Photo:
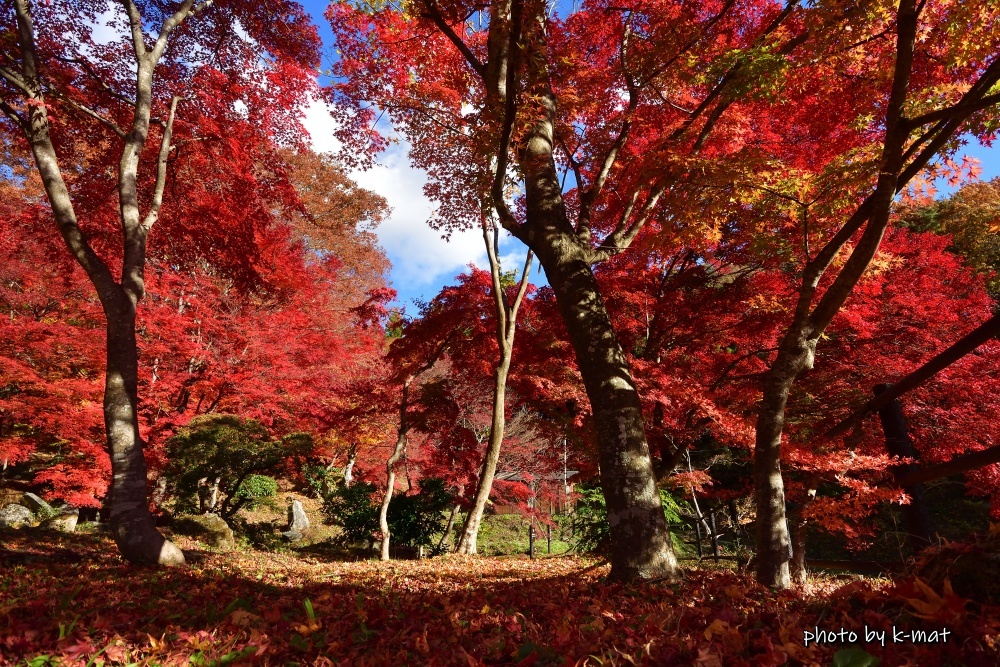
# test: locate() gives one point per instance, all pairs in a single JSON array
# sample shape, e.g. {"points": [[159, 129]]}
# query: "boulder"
{"points": [[297, 519], [64, 521], [16, 516], [36, 504], [292, 535], [208, 528]]}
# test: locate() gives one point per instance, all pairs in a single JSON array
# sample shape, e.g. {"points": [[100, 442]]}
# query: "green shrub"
{"points": [[413, 519], [255, 488], [235, 451], [353, 509], [591, 530]]}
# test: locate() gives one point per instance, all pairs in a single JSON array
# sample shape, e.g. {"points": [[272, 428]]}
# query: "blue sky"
{"points": [[422, 262]]}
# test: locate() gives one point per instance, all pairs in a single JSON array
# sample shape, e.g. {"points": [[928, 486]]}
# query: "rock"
{"points": [[297, 519], [292, 535], [64, 521], [16, 516], [36, 504], [208, 528]]}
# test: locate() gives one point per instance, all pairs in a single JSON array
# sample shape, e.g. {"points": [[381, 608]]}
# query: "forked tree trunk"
{"points": [[390, 469], [131, 521], [506, 326]]}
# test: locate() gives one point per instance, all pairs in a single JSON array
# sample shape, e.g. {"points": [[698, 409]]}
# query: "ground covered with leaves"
{"points": [[71, 600]]}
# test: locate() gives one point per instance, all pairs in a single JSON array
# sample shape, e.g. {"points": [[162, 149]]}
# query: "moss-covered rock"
{"points": [[208, 528]]}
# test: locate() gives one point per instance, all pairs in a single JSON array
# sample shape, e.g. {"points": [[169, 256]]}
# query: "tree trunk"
{"points": [[448, 527], [920, 532], [390, 470], [470, 531], [799, 573], [640, 543], [506, 326], [352, 457], [774, 547], [132, 523]]}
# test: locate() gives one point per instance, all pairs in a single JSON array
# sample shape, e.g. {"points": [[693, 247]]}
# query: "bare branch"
{"points": [[161, 167], [619, 240], [963, 106], [434, 15], [588, 198], [135, 26], [507, 219], [522, 289], [86, 110], [14, 79]]}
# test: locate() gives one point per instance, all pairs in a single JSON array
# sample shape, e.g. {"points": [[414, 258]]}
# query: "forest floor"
{"points": [[70, 599]]}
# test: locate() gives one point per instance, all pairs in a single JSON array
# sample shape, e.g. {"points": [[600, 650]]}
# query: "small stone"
{"points": [[297, 519], [64, 522], [292, 535], [16, 516]]}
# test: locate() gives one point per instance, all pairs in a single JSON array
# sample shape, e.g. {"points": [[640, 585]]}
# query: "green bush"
{"points": [[413, 519], [591, 530], [353, 509], [255, 488], [234, 450]]}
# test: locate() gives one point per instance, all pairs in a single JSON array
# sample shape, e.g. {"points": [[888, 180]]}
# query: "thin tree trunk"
{"points": [[799, 573], [506, 317], [390, 469], [448, 527], [470, 530], [352, 457], [400, 448]]}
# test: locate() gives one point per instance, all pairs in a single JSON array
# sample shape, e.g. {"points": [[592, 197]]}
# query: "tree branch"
{"points": [[434, 15], [161, 167]]}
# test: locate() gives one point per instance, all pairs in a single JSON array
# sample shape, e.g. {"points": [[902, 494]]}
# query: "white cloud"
{"points": [[110, 26], [422, 261]]}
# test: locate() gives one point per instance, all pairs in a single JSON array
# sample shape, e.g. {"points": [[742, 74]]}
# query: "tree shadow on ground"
{"points": [[276, 609]]}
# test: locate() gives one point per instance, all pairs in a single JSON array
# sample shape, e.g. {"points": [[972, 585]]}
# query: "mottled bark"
{"points": [[131, 521], [640, 543]]}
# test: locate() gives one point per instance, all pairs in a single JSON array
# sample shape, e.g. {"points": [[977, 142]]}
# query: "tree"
{"points": [[505, 312], [913, 133], [677, 122], [51, 69], [971, 216], [226, 454]]}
